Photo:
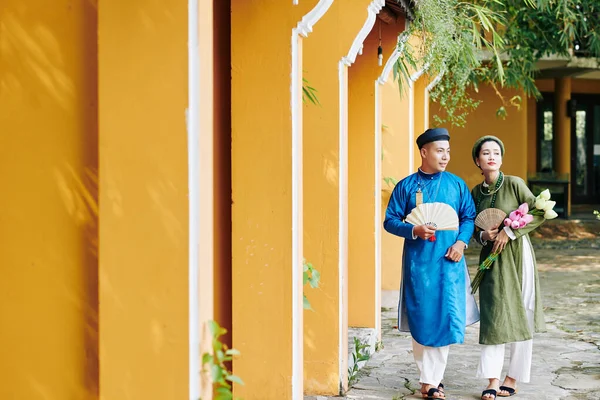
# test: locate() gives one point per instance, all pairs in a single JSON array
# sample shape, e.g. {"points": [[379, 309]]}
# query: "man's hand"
{"points": [[500, 242], [424, 231], [456, 251]]}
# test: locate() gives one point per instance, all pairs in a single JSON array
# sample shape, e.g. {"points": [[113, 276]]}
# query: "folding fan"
{"points": [[439, 215], [490, 218]]}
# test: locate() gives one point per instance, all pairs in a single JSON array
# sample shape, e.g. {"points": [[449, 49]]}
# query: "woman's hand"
{"points": [[500, 243], [489, 236]]}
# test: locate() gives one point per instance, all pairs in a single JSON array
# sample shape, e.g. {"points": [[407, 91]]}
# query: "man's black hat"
{"points": [[432, 135]]}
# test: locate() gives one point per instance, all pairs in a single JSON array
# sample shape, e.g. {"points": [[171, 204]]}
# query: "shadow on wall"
{"points": [[48, 89]]}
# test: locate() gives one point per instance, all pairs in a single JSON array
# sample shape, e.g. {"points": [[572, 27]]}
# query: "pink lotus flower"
{"points": [[523, 209], [515, 215], [527, 218]]}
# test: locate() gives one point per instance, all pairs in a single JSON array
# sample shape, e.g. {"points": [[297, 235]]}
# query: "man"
{"points": [[435, 301]]}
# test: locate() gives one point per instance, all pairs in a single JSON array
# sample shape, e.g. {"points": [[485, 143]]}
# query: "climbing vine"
{"points": [[494, 42], [312, 277], [216, 362]]}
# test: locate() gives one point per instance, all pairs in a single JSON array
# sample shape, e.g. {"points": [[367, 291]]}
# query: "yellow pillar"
{"points": [[395, 164], [325, 199], [261, 157], [363, 289], [532, 134], [562, 126], [143, 86], [48, 234]]}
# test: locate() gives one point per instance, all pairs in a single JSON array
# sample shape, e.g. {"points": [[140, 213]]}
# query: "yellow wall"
{"points": [[395, 142], [143, 196], [512, 131], [48, 234], [361, 185]]}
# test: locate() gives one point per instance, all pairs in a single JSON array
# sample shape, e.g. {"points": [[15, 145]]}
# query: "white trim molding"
{"points": [[346, 61], [372, 10], [193, 126], [303, 28]]}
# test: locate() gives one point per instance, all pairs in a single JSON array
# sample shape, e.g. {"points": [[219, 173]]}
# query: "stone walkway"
{"points": [[566, 361]]}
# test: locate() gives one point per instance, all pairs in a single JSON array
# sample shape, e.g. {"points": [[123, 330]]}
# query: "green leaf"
{"points": [[306, 303], [207, 358], [235, 379], [315, 279], [216, 373], [232, 352]]}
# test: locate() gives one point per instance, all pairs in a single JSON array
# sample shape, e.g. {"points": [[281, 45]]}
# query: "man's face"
{"points": [[435, 156]]}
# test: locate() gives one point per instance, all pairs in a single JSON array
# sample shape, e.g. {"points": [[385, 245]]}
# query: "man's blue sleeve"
{"points": [[466, 214], [395, 214]]}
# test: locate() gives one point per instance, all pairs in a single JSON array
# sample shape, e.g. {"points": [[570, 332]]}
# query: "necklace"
{"points": [[425, 188], [493, 192]]}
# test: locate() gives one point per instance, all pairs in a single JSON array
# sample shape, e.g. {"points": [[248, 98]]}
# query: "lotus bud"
{"points": [[523, 208], [515, 215], [527, 218], [545, 195], [550, 214], [540, 204], [549, 205], [507, 222], [515, 224]]}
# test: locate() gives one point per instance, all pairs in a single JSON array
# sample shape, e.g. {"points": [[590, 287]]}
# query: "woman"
{"points": [[510, 301]]}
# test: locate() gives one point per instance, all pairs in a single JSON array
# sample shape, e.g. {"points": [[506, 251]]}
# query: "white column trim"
{"points": [[378, 204], [193, 126], [346, 61], [303, 28]]}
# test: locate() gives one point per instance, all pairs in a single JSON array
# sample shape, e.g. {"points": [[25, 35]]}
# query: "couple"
{"points": [[436, 303]]}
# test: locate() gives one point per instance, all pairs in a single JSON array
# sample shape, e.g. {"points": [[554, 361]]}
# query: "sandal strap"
{"points": [[489, 391], [507, 389], [433, 391]]}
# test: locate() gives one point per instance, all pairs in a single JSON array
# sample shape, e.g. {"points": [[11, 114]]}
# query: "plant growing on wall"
{"points": [[215, 362], [312, 277], [495, 42], [309, 93], [360, 353]]}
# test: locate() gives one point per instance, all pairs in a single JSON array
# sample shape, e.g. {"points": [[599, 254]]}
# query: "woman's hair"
{"points": [[479, 142]]}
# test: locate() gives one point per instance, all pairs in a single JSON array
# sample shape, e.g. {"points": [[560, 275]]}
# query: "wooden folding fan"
{"points": [[490, 218], [440, 215]]}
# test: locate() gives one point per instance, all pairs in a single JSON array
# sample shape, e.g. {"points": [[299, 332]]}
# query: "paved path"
{"points": [[566, 361]]}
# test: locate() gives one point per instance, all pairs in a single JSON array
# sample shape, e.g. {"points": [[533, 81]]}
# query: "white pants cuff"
{"points": [[431, 362]]}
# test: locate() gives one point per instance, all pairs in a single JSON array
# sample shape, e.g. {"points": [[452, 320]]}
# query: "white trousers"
{"points": [[492, 356], [431, 362]]}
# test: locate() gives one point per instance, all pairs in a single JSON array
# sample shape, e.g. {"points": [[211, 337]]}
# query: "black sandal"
{"points": [[493, 392], [511, 391], [433, 391]]}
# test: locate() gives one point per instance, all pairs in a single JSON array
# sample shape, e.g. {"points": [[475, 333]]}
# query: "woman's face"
{"points": [[490, 157]]}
